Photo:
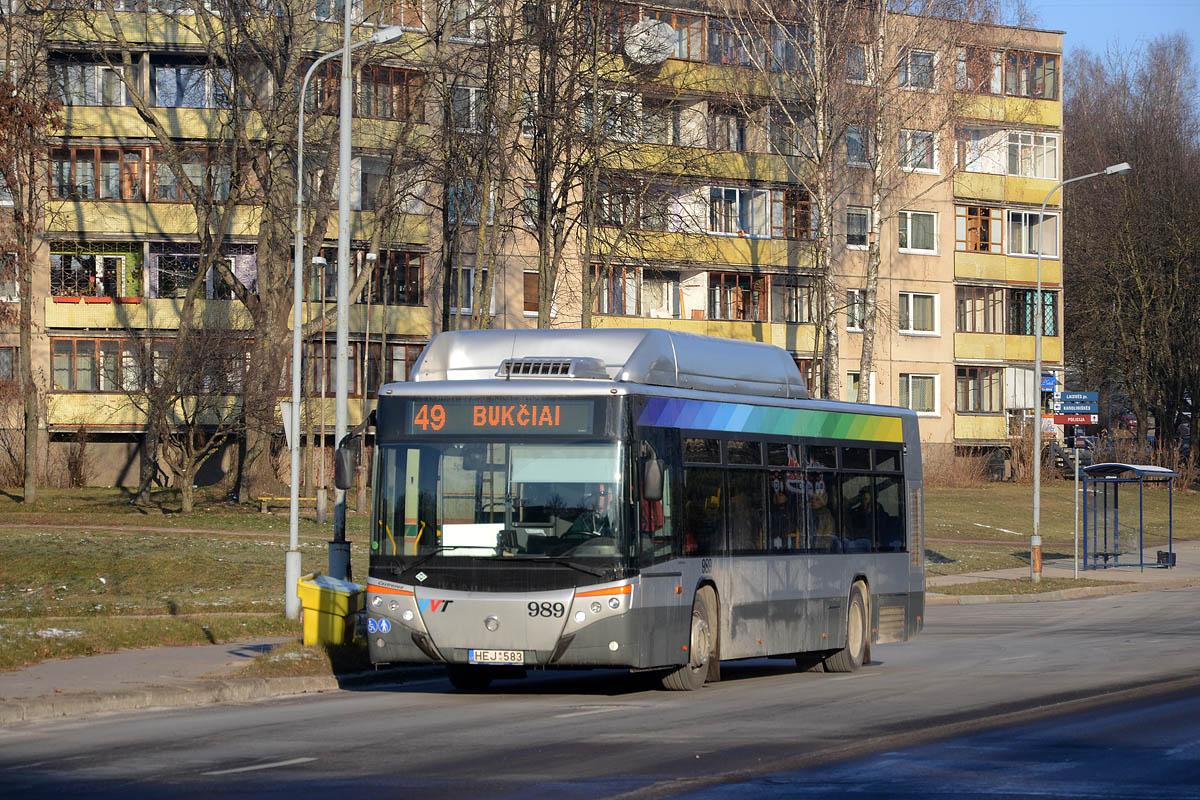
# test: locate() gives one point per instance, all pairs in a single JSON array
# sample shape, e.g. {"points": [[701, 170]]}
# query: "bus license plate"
{"points": [[496, 656]]}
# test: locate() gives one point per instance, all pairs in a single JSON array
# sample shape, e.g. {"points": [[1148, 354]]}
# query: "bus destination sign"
{"points": [[551, 418]]}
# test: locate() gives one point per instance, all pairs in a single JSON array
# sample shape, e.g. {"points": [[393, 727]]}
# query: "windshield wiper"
{"points": [[438, 551], [564, 561]]}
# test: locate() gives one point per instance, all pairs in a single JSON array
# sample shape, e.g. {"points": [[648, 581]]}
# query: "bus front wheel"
{"points": [[701, 646], [854, 654]]}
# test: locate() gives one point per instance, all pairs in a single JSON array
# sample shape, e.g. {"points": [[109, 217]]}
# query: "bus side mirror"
{"points": [[345, 460], [652, 479]]}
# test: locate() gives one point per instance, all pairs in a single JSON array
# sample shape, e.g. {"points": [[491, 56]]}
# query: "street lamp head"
{"points": [[1119, 169], [385, 35], [372, 256], [319, 261]]}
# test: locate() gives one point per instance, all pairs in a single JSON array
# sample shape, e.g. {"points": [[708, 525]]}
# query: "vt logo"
{"points": [[434, 606]]}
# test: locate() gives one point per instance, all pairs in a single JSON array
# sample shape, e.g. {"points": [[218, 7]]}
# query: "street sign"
{"points": [[1048, 383], [1079, 408], [1079, 397], [1076, 419]]}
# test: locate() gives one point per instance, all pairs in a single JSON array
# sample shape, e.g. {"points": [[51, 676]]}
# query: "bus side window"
{"points": [[889, 513], [657, 521], [703, 511]]}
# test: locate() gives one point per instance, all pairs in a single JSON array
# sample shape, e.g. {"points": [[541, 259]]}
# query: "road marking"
{"points": [[994, 528], [257, 767]]}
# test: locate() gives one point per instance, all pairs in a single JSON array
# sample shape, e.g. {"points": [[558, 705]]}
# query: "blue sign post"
{"points": [[1079, 408], [1079, 397]]}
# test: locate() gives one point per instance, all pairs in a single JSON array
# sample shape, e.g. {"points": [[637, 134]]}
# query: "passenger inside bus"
{"points": [[821, 521]]}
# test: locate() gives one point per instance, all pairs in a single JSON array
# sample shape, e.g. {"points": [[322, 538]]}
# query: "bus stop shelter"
{"points": [[1107, 536]]}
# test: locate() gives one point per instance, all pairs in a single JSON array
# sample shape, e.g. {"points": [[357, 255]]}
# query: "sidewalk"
{"points": [[1185, 574], [196, 676]]}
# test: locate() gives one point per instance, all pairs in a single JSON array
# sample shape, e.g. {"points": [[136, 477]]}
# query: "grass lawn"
{"points": [[1021, 586], [988, 528], [69, 586], [72, 585]]}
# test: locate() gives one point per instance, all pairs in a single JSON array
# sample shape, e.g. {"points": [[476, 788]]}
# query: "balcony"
{"points": [[714, 249], [1000, 268], [1003, 188], [793, 337], [1005, 347], [980, 428], [1019, 110], [163, 314]]}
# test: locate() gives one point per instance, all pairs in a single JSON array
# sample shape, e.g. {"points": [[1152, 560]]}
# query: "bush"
{"points": [[943, 467]]}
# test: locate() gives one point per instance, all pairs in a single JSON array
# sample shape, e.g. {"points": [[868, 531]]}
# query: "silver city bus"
{"points": [[640, 499]]}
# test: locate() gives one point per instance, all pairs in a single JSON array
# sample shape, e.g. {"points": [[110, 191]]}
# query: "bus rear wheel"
{"points": [[854, 654], [469, 679], [701, 646]]}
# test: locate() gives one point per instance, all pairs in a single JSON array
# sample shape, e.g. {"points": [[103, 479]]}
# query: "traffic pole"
{"points": [[1035, 558]]}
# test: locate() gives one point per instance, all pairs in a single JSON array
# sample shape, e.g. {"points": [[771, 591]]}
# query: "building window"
{"points": [[190, 86], [729, 44], [86, 275], [916, 69], [791, 47], [529, 285], [95, 365], [176, 272], [793, 132], [464, 201], [792, 214], [979, 390], [388, 93], [8, 364], [77, 84], [917, 151], [1031, 75], [467, 298], [10, 287], [616, 288], [978, 70], [858, 226], [982, 150], [468, 21], [979, 309], [856, 63], [620, 115], [689, 32], [96, 173], [1022, 312], [1023, 227], [205, 170], [738, 211], [918, 392], [854, 387], [791, 299], [977, 229], [856, 309], [466, 108], [857, 146], [737, 296], [1033, 155], [660, 294], [918, 231], [810, 368], [918, 313], [396, 279], [726, 130], [660, 122]]}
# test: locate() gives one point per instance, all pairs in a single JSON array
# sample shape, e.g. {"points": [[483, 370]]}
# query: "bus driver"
{"points": [[594, 519]]}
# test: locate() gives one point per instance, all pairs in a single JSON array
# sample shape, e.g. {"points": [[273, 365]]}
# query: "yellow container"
{"points": [[329, 608]]}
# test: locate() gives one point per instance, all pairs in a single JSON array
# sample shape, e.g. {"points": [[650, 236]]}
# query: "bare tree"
{"points": [[1133, 245], [28, 117]]}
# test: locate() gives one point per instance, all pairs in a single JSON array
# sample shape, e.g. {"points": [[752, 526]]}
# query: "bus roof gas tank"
{"points": [[647, 356]]}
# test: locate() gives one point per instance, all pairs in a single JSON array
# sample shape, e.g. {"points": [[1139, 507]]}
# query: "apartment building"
{"points": [[724, 245]]}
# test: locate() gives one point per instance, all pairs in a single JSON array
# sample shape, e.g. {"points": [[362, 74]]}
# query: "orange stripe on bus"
{"points": [[388, 590], [626, 589]]}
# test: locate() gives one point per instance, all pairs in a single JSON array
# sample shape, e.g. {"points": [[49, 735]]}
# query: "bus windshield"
{"points": [[499, 500]]}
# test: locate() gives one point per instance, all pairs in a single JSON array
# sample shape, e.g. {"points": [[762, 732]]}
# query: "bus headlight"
{"points": [[377, 601], [614, 602], [407, 615], [596, 607], [580, 617], [394, 605]]}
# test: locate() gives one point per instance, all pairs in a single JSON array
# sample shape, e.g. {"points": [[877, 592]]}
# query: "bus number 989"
{"points": [[546, 609]]}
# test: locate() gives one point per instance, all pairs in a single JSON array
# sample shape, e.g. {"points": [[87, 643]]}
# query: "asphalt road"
{"points": [[1035, 670]]}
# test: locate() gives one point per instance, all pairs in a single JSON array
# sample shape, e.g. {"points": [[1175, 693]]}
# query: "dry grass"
{"points": [[944, 468], [295, 660]]}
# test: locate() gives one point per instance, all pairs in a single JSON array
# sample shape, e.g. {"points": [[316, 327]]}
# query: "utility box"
{"points": [[330, 607]]}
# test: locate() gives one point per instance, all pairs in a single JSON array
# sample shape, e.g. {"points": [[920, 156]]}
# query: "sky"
{"points": [[1097, 24]]}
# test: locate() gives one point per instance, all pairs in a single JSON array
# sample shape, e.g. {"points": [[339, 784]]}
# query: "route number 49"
{"points": [[430, 417]]}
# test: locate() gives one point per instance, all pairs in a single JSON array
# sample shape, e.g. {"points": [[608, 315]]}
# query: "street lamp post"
{"points": [[1035, 540], [292, 560]]}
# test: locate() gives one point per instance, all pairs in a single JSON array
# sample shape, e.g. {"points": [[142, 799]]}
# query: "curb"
{"points": [[935, 599], [202, 693]]}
